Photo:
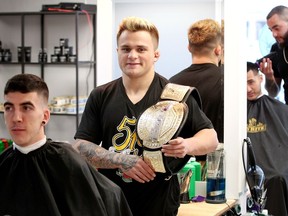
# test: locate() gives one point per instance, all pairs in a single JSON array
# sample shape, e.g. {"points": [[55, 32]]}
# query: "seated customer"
{"points": [[43, 177], [267, 127]]}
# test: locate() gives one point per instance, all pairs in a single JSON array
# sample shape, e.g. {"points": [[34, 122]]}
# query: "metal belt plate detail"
{"points": [[155, 158], [158, 124], [175, 92]]}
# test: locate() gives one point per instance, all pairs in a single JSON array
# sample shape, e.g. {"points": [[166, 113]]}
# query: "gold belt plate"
{"points": [[176, 92], [155, 158], [159, 123]]}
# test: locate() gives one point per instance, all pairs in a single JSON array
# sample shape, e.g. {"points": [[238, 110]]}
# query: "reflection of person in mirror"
{"points": [[267, 127], [277, 21], [206, 44]]}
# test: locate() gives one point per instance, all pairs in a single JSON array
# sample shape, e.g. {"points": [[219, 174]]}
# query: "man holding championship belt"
{"points": [[139, 131], [163, 121]]}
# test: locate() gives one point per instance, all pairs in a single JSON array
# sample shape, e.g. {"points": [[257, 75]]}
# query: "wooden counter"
{"points": [[205, 209]]}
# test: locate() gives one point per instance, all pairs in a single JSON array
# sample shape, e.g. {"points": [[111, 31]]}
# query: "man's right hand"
{"points": [[272, 84], [136, 168], [266, 68]]}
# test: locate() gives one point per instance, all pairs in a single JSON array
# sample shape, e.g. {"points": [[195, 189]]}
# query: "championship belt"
{"points": [[162, 122]]}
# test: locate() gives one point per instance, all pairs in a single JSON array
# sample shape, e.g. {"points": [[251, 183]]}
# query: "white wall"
{"points": [[235, 98]]}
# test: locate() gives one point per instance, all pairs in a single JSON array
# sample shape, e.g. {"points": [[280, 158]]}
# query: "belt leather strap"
{"points": [[162, 122]]}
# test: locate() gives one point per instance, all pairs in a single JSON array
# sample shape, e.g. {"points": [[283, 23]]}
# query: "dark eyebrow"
{"points": [[22, 104], [138, 46], [27, 103], [7, 104], [142, 46], [275, 26]]}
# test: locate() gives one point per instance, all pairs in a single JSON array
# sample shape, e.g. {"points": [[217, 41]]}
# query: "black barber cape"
{"points": [[55, 180], [267, 128]]}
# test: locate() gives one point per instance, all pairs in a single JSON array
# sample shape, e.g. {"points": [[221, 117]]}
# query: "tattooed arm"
{"points": [[272, 84], [131, 165]]}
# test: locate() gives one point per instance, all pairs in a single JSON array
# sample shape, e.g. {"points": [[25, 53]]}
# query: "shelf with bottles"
{"points": [[38, 42], [5, 55], [35, 30], [62, 54], [67, 105]]}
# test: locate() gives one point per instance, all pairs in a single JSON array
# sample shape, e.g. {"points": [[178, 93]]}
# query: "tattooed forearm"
{"points": [[128, 162], [102, 158], [97, 156], [272, 87]]}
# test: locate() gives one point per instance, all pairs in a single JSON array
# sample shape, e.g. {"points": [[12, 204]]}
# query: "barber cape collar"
{"points": [[162, 122]]}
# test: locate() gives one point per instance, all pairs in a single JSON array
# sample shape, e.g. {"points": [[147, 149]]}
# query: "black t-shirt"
{"points": [[280, 67], [110, 119], [208, 79]]}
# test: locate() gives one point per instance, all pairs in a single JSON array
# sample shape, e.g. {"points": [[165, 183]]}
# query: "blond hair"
{"points": [[222, 33], [204, 36], [134, 24]]}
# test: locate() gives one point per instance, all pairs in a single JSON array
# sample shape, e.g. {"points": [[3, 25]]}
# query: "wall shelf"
{"points": [[27, 20]]}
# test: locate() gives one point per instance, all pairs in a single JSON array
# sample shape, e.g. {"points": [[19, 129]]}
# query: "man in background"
{"points": [[267, 127], [277, 21], [205, 45]]}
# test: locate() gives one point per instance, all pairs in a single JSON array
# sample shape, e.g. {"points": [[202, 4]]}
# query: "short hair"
{"points": [[204, 35], [222, 32], [280, 10], [254, 67], [134, 24], [26, 83]]}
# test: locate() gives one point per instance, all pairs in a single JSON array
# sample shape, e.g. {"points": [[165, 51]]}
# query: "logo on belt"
{"points": [[163, 121]]}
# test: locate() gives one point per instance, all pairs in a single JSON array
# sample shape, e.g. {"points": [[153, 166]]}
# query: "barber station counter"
{"points": [[205, 209]]}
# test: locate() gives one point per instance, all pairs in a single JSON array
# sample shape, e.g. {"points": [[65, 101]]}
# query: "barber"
{"points": [[277, 21]]}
